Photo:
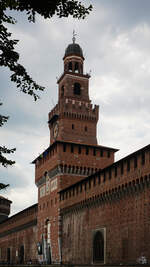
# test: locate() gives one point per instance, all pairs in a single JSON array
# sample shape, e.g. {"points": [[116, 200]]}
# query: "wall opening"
{"points": [[98, 247], [8, 255], [77, 89], [76, 68], [70, 66], [21, 254], [62, 90]]}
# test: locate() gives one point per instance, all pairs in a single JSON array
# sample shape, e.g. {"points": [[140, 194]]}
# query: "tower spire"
{"points": [[74, 37]]}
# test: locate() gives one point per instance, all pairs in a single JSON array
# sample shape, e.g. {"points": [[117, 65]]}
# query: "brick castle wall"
{"points": [[18, 231]]}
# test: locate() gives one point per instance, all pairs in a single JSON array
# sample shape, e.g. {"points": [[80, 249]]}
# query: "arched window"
{"points": [[70, 66], [98, 247], [77, 89], [76, 67]]}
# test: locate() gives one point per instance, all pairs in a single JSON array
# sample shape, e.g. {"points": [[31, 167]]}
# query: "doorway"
{"points": [[98, 247]]}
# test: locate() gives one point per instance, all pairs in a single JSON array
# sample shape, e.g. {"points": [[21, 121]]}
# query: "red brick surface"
{"points": [[81, 190]]}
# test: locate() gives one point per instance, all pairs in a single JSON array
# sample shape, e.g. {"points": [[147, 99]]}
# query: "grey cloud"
{"points": [[126, 13], [119, 82]]}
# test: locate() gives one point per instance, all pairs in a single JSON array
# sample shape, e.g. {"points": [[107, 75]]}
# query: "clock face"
{"points": [[55, 130]]}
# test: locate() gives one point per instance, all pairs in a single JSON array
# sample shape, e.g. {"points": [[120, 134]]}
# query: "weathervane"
{"points": [[74, 36]]}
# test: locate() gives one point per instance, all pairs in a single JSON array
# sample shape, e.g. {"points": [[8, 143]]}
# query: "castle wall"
{"points": [[124, 221], [115, 202], [18, 237]]}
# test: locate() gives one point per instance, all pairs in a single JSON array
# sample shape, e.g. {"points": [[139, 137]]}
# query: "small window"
{"points": [[143, 158], [72, 126], [87, 150], [94, 152], [128, 165], [101, 153], [64, 147], [121, 167], [135, 162], [85, 128], [72, 148], [108, 154], [79, 149], [77, 89]]}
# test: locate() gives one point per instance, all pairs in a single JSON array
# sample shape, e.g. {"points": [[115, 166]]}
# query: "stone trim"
{"points": [[67, 170]]}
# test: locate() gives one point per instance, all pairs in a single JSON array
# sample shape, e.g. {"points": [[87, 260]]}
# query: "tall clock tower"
{"points": [[73, 153], [74, 118]]}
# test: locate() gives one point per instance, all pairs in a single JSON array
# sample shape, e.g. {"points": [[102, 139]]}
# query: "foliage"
{"points": [[47, 9], [9, 57], [3, 150]]}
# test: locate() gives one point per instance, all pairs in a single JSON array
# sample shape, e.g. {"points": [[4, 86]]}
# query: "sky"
{"points": [[115, 39]]}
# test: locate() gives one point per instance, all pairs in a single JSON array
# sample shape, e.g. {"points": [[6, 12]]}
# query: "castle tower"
{"points": [[4, 208], [74, 119], [73, 152]]}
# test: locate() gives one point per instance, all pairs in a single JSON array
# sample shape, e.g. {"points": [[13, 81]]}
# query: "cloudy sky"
{"points": [[115, 39]]}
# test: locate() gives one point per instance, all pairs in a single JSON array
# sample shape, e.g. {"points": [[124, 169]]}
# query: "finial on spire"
{"points": [[74, 36]]}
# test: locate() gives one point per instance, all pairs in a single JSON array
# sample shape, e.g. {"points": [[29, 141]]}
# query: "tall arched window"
{"points": [[77, 89], [70, 66], [76, 67], [98, 247]]}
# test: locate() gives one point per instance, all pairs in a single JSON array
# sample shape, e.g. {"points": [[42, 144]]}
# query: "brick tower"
{"points": [[73, 152], [4, 208]]}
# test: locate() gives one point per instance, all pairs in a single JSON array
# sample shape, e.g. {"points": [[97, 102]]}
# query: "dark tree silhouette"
{"points": [[10, 58]]}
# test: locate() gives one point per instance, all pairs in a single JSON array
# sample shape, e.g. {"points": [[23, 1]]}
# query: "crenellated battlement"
{"points": [[129, 174], [54, 112], [75, 109], [79, 109]]}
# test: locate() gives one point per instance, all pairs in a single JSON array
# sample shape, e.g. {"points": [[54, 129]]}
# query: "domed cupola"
{"points": [[73, 58], [73, 49]]}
